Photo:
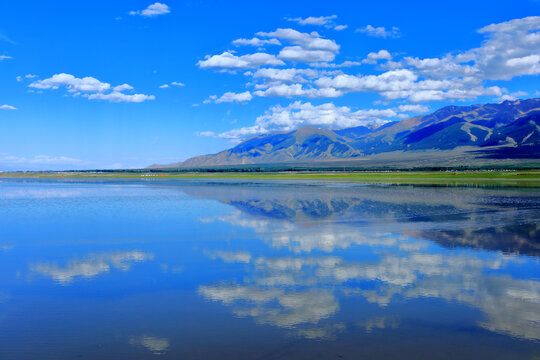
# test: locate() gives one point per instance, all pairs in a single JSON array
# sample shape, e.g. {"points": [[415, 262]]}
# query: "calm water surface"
{"points": [[229, 270]]}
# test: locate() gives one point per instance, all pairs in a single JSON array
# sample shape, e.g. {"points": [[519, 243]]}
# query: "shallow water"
{"points": [[267, 270]]}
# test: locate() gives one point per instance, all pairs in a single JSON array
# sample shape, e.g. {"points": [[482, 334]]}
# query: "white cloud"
{"points": [[255, 42], [73, 84], [152, 10], [121, 97], [90, 88], [39, 159], [174, 83], [232, 97], [311, 20], [513, 96], [311, 41], [418, 109], [284, 75], [381, 32], [373, 57], [122, 87], [296, 90], [405, 84], [27, 76], [300, 54], [229, 61], [7, 107], [5, 57], [340, 27], [230, 256], [298, 114]]}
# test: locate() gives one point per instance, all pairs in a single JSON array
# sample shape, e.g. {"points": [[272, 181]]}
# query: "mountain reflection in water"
{"points": [[243, 270]]}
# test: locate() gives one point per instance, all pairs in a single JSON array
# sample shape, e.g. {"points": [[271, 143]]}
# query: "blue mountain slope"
{"points": [[512, 125]]}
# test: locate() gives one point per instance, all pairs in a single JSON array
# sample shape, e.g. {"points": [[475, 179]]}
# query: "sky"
{"points": [[126, 84]]}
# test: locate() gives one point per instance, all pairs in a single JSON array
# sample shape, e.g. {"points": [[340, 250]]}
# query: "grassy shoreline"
{"points": [[519, 177]]}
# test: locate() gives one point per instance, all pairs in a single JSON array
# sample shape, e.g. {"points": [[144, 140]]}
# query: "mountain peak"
{"points": [[513, 126]]}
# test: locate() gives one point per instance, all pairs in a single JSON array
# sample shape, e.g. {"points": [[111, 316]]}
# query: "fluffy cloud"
{"points": [[255, 42], [381, 32], [5, 57], [510, 49], [152, 10], [229, 61], [311, 20], [298, 114], [296, 90], [73, 84], [284, 75], [311, 41], [231, 97], [326, 21], [90, 88], [7, 107], [404, 84], [513, 96], [300, 54], [116, 96], [174, 83], [373, 57]]}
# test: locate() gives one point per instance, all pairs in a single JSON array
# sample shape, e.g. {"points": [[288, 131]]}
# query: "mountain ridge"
{"points": [[504, 128]]}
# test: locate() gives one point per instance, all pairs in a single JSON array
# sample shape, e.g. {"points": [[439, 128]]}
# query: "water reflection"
{"points": [[91, 265], [157, 346], [301, 290], [127, 270]]}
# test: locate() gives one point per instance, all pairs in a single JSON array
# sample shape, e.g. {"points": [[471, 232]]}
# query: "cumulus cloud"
{"points": [[373, 57], [73, 84], [152, 10], [298, 114], [300, 54], [405, 84], [90, 88], [5, 57], [229, 61], [284, 75], [326, 21], [311, 20], [174, 83], [230, 97], [340, 27], [255, 42], [7, 107], [311, 41], [380, 31], [117, 97], [510, 49], [513, 96]]}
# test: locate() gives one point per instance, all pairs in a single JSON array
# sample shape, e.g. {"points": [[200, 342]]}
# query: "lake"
{"points": [[267, 270]]}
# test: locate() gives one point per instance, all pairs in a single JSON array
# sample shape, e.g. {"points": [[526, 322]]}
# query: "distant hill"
{"points": [[507, 130]]}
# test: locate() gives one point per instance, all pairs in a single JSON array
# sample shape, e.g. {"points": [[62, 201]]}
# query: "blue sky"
{"points": [[83, 83]]}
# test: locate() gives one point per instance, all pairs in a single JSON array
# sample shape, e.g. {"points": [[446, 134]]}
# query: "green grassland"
{"points": [[516, 177]]}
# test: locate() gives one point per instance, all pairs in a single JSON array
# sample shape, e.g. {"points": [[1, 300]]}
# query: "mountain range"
{"points": [[507, 130]]}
